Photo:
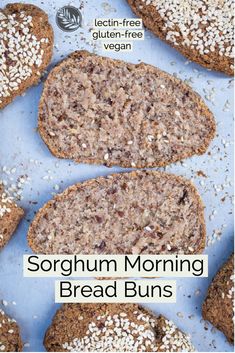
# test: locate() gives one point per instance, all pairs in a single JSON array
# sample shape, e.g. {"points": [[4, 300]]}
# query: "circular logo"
{"points": [[68, 18]]}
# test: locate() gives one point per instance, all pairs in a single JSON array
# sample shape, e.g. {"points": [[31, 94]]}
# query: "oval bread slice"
{"points": [[218, 307], [144, 212], [201, 30], [113, 328], [10, 216], [26, 47], [98, 110], [10, 340]]}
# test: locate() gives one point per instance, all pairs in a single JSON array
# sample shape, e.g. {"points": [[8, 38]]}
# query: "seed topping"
{"points": [[20, 52], [203, 25], [117, 333]]}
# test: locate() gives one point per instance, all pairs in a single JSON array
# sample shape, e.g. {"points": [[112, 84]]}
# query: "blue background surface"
{"points": [[22, 148]]}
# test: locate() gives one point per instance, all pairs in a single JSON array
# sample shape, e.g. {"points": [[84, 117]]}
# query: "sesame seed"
{"points": [[177, 113], [106, 156], [179, 314], [22, 48], [184, 20], [119, 333]]}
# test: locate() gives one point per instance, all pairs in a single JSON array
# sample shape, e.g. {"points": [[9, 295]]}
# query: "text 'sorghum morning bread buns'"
{"points": [[202, 30], [144, 212], [218, 307], [26, 45], [113, 328], [98, 110], [10, 340], [10, 216]]}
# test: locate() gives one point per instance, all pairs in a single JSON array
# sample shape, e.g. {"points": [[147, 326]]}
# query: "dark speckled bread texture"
{"points": [[201, 30], [10, 340], [23, 62], [104, 328], [218, 307], [10, 216]]}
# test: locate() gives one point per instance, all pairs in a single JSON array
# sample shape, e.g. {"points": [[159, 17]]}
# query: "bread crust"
{"points": [[72, 320], [10, 339], [101, 181], [154, 22], [218, 305], [199, 103], [41, 29], [9, 221]]}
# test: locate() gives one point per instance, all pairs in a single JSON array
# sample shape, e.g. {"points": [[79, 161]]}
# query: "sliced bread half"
{"points": [[201, 30], [218, 307], [113, 328], [10, 340], [98, 110], [10, 216], [26, 45], [144, 212]]}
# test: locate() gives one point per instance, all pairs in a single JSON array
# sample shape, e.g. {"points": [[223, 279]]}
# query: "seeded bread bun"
{"points": [[26, 49], [98, 110], [201, 30], [113, 328], [10, 216], [144, 212], [218, 307], [10, 340]]}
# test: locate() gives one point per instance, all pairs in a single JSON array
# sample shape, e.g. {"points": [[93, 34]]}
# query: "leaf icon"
{"points": [[68, 18]]}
